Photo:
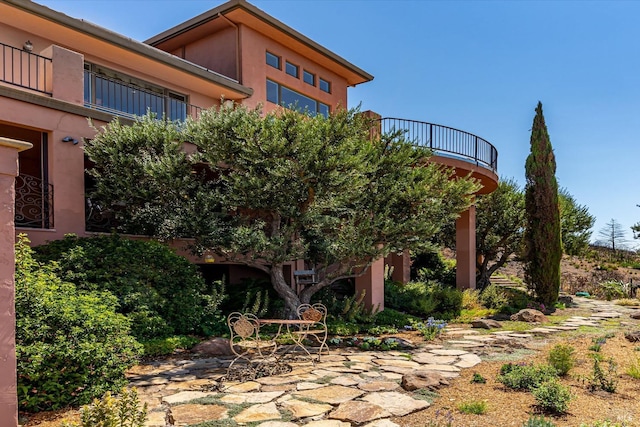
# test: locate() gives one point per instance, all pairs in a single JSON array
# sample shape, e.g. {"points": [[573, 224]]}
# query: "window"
{"points": [[325, 86], [273, 60], [288, 98], [309, 78], [292, 69], [117, 93]]}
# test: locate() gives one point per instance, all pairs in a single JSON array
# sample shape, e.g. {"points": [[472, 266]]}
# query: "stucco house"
{"points": [[56, 71]]}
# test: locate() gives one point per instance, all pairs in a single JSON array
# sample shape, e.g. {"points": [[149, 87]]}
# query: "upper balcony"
{"points": [[465, 152], [24, 69]]}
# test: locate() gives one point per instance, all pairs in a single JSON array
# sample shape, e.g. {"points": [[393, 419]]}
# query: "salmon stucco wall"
{"points": [[216, 52]]}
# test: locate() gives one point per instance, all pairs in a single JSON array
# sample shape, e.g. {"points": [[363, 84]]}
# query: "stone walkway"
{"points": [[347, 388]]}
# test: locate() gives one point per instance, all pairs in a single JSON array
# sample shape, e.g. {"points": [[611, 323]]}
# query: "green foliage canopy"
{"points": [[264, 189]]}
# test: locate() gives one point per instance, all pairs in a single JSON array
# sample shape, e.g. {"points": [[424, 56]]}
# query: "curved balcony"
{"points": [[464, 151]]}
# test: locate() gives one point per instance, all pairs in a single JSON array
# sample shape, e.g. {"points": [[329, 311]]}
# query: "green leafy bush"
{"points": [[552, 396], [71, 346], [538, 422], [159, 291], [494, 297], [525, 377], [122, 411], [634, 369], [424, 299], [561, 358], [394, 318], [340, 327], [166, 346], [478, 379]]}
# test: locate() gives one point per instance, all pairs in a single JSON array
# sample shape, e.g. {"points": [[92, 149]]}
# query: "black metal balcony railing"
{"points": [[24, 69], [446, 141], [34, 202], [126, 100]]}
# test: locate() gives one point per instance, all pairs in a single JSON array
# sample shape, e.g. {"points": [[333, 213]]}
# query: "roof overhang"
{"points": [[82, 36], [242, 12]]}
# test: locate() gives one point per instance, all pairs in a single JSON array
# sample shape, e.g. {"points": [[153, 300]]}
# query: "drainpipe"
{"points": [[238, 60]]}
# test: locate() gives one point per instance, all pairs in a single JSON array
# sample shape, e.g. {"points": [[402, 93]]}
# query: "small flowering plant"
{"points": [[430, 329]]}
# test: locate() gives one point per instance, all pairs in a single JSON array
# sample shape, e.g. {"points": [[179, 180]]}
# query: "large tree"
{"points": [[500, 223], [542, 234], [575, 224], [264, 189]]}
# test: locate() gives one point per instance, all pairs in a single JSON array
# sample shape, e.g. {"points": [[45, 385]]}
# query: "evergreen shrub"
{"points": [[71, 345], [162, 293]]}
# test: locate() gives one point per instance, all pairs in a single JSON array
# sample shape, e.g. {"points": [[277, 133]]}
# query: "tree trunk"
{"points": [[290, 297]]}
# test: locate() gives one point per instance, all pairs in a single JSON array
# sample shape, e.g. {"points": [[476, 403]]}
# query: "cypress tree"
{"points": [[542, 234]]}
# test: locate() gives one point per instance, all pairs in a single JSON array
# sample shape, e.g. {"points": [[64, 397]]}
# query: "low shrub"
{"points": [[424, 299], [476, 407], [471, 299], [121, 411], [71, 346], [494, 297], [161, 292], [478, 379], [393, 318], [525, 377], [561, 358], [538, 422], [166, 346], [552, 396], [605, 423], [339, 327]]}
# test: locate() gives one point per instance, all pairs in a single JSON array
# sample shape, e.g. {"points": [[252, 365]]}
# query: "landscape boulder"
{"points": [[486, 324], [635, 314], [416, 380], [214, 347], [529, 315]]}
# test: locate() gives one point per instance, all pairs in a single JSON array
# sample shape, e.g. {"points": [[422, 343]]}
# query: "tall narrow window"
{"points": [[325, 85], [273, 60], [273, 92], [292, 69]]}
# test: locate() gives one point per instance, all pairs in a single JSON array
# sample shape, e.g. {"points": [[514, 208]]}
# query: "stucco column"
{"points": [[372, 283], [401, 266], [466, 249], [9, 149]]}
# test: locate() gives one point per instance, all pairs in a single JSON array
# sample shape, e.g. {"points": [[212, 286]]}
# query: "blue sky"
{"points": [[479, 66]]}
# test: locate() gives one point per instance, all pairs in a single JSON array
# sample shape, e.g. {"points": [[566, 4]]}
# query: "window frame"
{"points": [[322, 82], [295, 67], [278, 60], [306, 73]]}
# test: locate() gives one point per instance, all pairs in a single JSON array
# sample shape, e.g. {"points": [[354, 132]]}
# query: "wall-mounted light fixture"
{"points": [[208, 258], [27, 46], [70, 139]]}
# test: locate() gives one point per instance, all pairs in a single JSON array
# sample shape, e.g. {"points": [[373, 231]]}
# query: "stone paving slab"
{"points": [[359, 412]]}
